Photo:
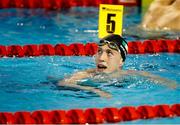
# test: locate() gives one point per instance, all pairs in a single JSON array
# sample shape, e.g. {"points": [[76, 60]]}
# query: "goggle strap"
{"points": [[124, 50]]}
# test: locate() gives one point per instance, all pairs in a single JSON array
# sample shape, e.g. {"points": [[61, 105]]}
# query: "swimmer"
{"points": [[111, 55], [162, 15]]}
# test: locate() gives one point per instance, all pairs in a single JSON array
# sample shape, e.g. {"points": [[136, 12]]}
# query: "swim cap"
{"points": [[120, 42]]}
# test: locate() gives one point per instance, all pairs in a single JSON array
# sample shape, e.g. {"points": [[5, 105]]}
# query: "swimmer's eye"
{"points": [[109, 53], [99, 51]]}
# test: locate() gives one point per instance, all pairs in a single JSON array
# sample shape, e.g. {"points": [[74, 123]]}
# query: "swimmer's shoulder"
{"points": [[125, 72], [135, 72]]}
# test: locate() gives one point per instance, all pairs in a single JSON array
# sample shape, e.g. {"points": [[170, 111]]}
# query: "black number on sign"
{"points": [[110, 27]]}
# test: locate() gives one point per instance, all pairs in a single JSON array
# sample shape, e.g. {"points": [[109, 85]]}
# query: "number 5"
{"points": [[110, 27]]}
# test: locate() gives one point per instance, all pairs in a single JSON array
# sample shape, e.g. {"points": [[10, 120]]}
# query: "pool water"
{"points": [[25, 83]]}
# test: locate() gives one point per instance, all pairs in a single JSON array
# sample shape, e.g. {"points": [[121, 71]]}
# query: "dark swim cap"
{"points": [[120, 42]]}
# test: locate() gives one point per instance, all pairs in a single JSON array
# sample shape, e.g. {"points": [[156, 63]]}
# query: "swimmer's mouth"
{"points": [[101, 66]]}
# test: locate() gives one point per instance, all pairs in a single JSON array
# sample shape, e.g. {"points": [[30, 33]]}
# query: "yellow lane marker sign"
{"points": [[110, 19]]}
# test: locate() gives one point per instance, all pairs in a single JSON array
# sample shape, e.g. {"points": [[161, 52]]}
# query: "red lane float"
{"points": [[111, 115], [91, 115], [46, 50], [31, 50], [89, 49], [2, 51], [61, 4], [94, 116], [146, 112], [58, 117], [15, 50], [23, 118]]}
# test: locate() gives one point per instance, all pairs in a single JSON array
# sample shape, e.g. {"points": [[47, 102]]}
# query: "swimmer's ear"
{"points": [[121, 64], [121, 60]]}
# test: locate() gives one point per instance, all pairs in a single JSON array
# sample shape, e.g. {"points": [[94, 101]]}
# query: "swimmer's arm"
{"points": [[77, 77], [88, 88], [74, 78], [72, 82], [163, 81]]}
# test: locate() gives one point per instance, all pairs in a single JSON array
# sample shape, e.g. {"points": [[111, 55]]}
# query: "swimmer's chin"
{"points": [[99, 70]]}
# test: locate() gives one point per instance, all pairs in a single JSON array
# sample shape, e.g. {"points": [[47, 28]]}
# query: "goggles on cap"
{"points": [[110, 44]]}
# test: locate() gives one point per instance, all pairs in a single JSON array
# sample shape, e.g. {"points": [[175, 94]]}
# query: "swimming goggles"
{"points": [[110, 44]]}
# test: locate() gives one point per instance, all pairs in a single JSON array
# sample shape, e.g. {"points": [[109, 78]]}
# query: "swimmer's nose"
{"points": [[103, 57]]}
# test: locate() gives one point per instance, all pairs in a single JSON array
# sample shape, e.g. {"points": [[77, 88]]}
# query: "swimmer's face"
{"points": [[108, 60]]}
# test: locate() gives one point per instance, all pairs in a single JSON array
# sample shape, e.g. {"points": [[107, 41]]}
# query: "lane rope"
{"points": [[60, 4], [89, 49], [90, 115]]}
